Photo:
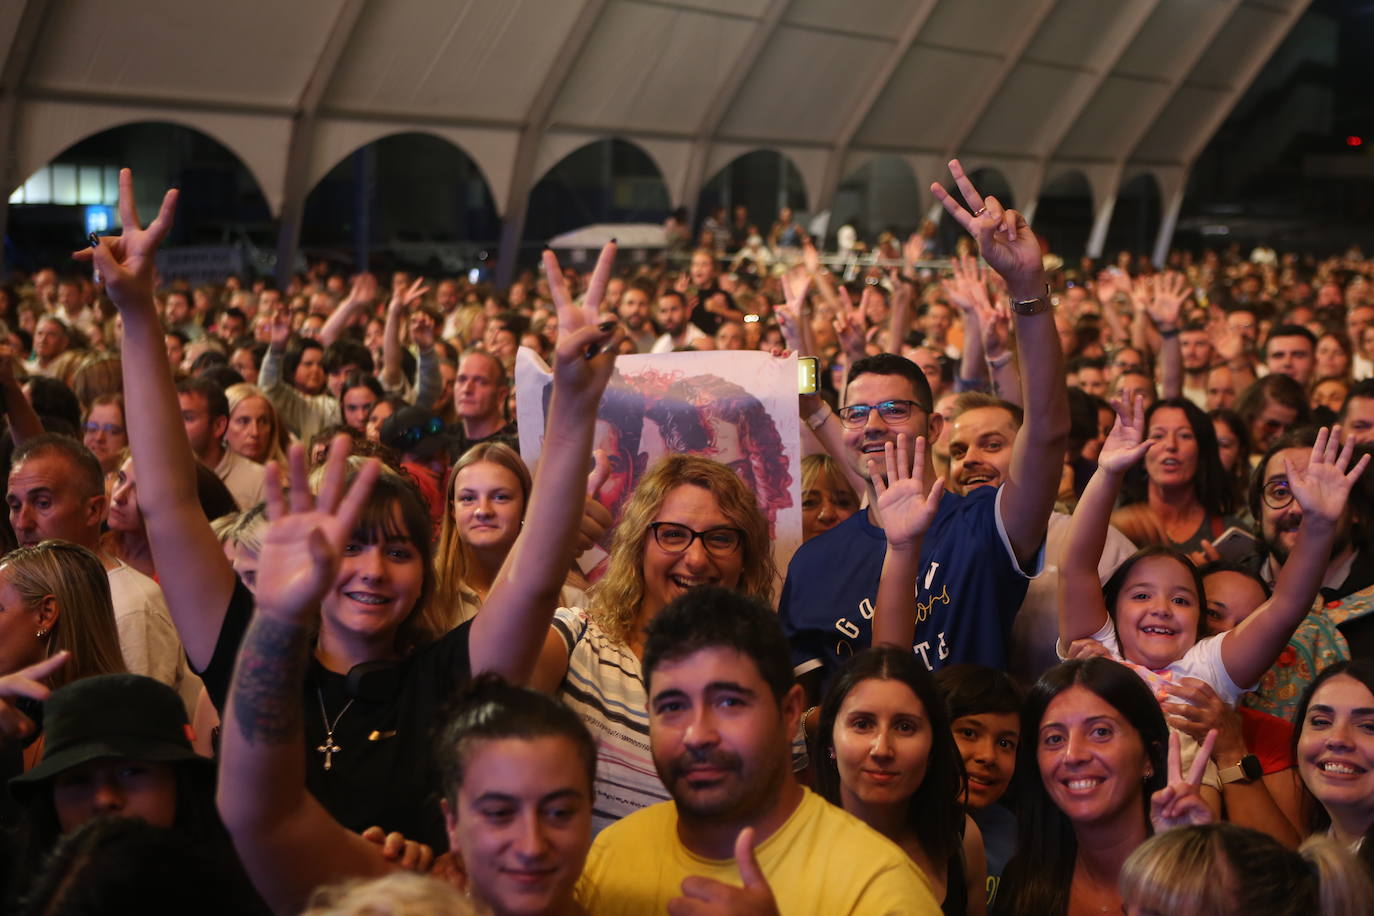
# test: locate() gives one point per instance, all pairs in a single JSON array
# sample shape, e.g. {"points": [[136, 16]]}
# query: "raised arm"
{"points": [[906, 510], [1082, 609], [360, 296], [512, 631], [288, 843], [899, 321], [195, 576], [429, 383], [1165, 308], [392, 375], [1322, 489], [1007, 244], [961, 289], [24, 422]]}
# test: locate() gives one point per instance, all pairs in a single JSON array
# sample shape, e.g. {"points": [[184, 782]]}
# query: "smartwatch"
{"points": [[1248, 770]]}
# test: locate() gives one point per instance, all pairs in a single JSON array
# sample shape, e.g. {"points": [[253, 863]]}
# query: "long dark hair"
{"points": [[934, 812], [1037, 881], [1362, 670], [1210, 483]]}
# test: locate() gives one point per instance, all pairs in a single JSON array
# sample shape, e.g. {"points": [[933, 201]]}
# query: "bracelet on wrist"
{"points": [[817, 419], [1168, 334], [1000, 362]]}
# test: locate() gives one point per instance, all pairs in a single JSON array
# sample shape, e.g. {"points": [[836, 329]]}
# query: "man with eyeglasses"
{"points": [[982, 547], [1341, 624]]}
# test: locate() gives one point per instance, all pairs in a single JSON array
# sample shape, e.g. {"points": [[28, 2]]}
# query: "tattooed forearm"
{"points": [[266, 693]]}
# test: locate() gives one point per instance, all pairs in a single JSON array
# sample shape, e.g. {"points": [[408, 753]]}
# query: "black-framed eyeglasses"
{"points": [[675, 538], [414, 434], [1277, 494], [897, 410]]}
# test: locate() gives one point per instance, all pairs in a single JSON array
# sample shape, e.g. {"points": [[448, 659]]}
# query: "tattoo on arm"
{"points": [[267, 681]]}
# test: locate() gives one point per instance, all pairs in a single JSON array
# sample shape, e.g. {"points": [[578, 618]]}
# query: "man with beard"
{"points": [[1341, 624], [678, 331], [635, 314], [722, 711], [1196, 352]]}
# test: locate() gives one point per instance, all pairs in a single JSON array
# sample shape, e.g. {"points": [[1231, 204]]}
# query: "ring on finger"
{"points": [[979, 212]]}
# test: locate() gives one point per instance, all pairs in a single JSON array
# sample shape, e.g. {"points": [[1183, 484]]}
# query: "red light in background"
{"points": [[1354, 141]]}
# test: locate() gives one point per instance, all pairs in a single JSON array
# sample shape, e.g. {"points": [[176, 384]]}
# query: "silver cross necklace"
{"points": [[329, 748]]}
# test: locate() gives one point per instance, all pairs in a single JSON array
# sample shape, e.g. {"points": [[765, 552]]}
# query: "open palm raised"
{"points": [[905, 508]]}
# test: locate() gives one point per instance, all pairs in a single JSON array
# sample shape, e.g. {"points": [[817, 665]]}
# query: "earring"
{"points": [[832, 753], [42, 633]]}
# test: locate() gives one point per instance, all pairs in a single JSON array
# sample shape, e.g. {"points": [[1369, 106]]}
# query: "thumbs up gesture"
{"points": [[708, 897]]}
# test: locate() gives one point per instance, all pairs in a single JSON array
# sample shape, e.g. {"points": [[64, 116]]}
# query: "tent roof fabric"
{"points": [[1033, 88]]}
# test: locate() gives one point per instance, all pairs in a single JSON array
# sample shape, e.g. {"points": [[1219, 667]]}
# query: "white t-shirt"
{"points": [[1202, 661], [244, 479], [667, 343], [148, 639]]}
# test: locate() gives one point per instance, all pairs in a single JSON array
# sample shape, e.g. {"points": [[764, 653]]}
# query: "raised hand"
{"points": [[422, 329], [811, 258], [279, 328], [25, 683], [363, 291], [789, 312], [585, 353], [1004, 237], [1178, 804], [126, 262], [905, 508], [912, 249], [405, 297], [1166, 305], [708, 897], [994, 319], [1126, 443], [291, 582], [850, 325], [1323, 487]]}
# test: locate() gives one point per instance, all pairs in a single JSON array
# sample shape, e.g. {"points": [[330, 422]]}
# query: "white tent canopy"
{"points": [[626, 235], [1032, 88]]}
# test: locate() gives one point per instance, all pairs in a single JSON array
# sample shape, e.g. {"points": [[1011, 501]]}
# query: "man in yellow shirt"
{"points": [[741, 835]]}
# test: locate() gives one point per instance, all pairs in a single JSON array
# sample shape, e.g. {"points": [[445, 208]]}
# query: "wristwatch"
{"points": [[1032, 306], [1248, 770]]}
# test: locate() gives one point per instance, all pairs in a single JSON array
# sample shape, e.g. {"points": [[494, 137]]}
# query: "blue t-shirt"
{"points": [[967, 592], [998, 826]]}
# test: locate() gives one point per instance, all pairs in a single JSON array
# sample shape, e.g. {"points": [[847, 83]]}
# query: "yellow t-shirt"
{"points": [[822, 860]]}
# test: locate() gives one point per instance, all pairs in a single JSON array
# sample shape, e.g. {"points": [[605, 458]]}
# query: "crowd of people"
{"points": [[1081, 620]]}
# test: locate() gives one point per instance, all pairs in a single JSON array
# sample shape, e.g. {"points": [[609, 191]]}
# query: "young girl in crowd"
{"points": [[1334, 747], [489, 488], [885, 753], [1150, 613]]}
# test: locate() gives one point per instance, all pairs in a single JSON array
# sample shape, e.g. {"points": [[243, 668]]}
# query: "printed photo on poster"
{"points": [[735, 407]]}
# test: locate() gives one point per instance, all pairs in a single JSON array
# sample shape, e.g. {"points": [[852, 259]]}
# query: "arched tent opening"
{"points": [[1135, 220], [881, 196], [221, 204], [1064, 215], [989, 182], [408, 200], [608, 181], [762, 181]]}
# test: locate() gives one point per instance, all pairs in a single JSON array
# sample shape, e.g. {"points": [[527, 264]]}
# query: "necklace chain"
{"points": [[329, 748]]}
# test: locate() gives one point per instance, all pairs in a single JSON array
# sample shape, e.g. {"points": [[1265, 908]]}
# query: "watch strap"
{"points": [[1246, 770]]}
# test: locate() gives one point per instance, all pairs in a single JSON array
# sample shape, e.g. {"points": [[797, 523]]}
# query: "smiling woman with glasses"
{"points": [[103, 431]]}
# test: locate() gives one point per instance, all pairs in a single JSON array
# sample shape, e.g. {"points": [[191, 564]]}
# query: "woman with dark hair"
{"points": [[1234, 451], [1181, 480], [1095, 780], [293, 377], [1271, 405], [359, 394], [884, 752], [1334, 746]]}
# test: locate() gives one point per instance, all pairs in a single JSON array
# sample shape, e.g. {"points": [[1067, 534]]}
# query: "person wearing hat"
{"points": [[115, 744], [418, 437]]}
